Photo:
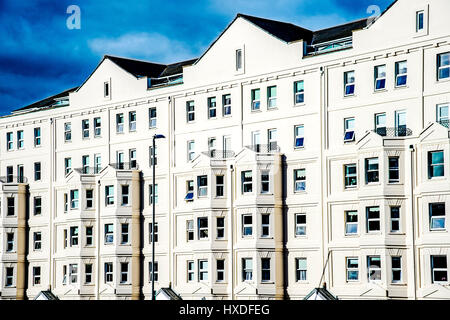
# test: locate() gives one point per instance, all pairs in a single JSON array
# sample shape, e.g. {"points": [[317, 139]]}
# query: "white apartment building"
{"points": [[292, 158]]}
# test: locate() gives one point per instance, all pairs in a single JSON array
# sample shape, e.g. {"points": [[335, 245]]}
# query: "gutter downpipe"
{"points": [[412, 150]]}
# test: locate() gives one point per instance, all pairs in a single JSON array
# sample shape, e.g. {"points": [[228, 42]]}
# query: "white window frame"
{"points": [[190, 230], [220, 270], [349, 128], [119, 122], [437, 217], [124, 233], [73, 273], [20, 140], [97, 127], [256, 103], [247, 228], [299, 94], [203, 270], [190, 264], [97, 163], [265, 226], [379, 77], [247, 181], [9, 141], [37, 241], [131, 122], [74, 199], [202, 190], [301, 274], [85, 161], [85, 128], [124, 266], [440, 66], [265, 182], [212, 106], [373, 270], [396, 269], [37, 136], [109, 195], [190, 150], [203, 232], [220, 228], [350, 268], [190, 111], [226, 103], [300, 227], [109, 272], [247, 269], [266, 269], [369, 220], [153, 271], [299, 180], [109, 233], [349, 224], [67, 132], [271, 100], [299, 134], [152, 118], [125, 192], [367, 164], [433, 269], [393, 169], [348, 177], [348, 82], [399, 73]]}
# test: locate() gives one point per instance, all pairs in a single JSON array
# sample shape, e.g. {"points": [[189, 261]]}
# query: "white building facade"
{"points": [[291, 159]]}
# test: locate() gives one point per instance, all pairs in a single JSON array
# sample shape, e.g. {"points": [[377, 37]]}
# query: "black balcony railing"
{"points": [[444, 123], [125, 165], [219, 154], [88, 170], [265, 148], [13, 179], [394, 132]]}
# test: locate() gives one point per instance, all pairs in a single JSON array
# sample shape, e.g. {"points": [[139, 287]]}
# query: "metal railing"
{"points": [[13, 179], [125, 166], [265, 148], [444, 123], [219, 154], [394, 132], [88, 170]]}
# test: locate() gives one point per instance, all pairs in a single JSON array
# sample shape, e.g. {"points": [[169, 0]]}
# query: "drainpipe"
{"points": [[231, 233], [97, 255], [51, 201], [412, 150]]}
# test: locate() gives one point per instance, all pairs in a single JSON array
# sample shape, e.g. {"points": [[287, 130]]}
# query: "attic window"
{"points": [[106, 89], [239, 60], [420, 16]]}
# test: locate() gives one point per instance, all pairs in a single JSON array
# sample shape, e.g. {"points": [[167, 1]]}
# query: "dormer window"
{"points": [[106, 89], [239, 60], [420, 20]]}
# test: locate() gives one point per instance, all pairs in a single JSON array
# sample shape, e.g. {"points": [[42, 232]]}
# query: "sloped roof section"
{"points": [[322, 292], [338, 32], [47, 102], [176, 68], [138, 68], [172, 295], [287, 32]]}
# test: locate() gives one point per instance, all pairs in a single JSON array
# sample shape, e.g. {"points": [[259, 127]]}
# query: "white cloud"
{"points": [[142, 45]]}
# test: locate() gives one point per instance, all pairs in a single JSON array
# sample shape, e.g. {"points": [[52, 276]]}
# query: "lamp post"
{"points": [[156, 136]]}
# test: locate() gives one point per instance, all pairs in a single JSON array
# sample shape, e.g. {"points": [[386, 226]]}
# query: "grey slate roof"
{"points": [[170, 293], [338, 32], [47, 101], [323, 292], [138, 68], [48, 294]]}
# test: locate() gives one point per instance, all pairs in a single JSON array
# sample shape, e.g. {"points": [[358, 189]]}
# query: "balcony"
{"points": [[329, 46], [219, 154], [394, 132], [444, 123], [13, 179], [164, 81], [265, 148], [88, 170], [125, 166]]}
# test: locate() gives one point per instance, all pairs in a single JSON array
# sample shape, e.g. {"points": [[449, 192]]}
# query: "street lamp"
{"points": [[156, 136]]}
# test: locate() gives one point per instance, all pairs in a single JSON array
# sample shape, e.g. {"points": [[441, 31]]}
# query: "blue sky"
{"points": [[40, 56]]}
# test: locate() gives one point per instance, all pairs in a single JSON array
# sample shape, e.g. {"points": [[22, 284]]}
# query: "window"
{"points": [[220, 227], [220, 270], [190, 230], [191, 150], [349, 128], [256, 99], [73, 273], [66, 202], [437, 216], [153, 271], [400, 124], [37, 205], [265, 269], [247, 225], [85, 128], [238, 59], [87, 273], [226, 102], [299, 180], [349, 83], [202, 183], [189, 190], [37, 171], [435, 164], [73, 236], [372, 170], [190, 271], [300, 224], [89, 198], [9, 277], [73, 199], [85, 161], [132, 121], [374, 268], [352, 269], [190, 111], [153, 158], [212, 107], [89, 236], [20, 141], [119, 123], [10, 201], [396, 269], [109, 195], [109, 233], [202, 228], [380, 77], [97, 163], [67, 131], [299, 136], [124, 233], [247, 269], [265, 225], [97, 127], [439, 269], [9, 174], [420, 20], [106, 89], [9, 141], [125, 194], [155, 231], [443, 66], [271, 97], [380, 124], [442, 115], [67, 165], [272, 139], [299, 92], [152, 117], [394, 171], [401, 74], [65, 238], [351, 222], [37, 241], [203, 270], [123, 272], [395, 219], [300, 269], [247, 184], [219, 186], [351, 177], [265, 182], [64, 280], [108, 272], [20, 174], [212, 147], [36, 276], [10, 242], [155, 196], [373, 219], [37, 137]]}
